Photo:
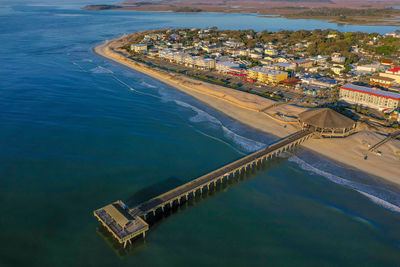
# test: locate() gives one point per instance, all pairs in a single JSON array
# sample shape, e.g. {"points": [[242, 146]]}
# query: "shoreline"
{"points": [[245, 108], [361, 21]]}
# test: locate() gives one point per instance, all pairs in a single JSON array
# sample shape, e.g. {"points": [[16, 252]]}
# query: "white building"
{"points": [[205, 63], [226, 66], [370, 68], [369, 97], [139, 48], [337, 58]]}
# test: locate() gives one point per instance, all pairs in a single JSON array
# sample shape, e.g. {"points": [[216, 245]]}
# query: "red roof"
{"points": [[371, 91], [387, 62], [291, 81], [395, 69]]}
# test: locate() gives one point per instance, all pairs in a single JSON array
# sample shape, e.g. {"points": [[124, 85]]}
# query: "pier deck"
{"points": [[126, 223]]}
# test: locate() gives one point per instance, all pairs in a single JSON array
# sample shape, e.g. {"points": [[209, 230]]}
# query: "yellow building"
{"points": [[269, 76], [271, 52]]}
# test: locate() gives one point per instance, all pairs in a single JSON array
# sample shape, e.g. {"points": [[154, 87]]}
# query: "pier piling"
{"points": [[126, 224]]}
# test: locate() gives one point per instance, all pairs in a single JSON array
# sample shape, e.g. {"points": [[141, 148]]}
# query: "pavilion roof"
{"points": [[326, 118]]}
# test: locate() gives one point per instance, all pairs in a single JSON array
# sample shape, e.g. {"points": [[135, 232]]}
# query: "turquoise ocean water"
{"points": [[73, 138]]}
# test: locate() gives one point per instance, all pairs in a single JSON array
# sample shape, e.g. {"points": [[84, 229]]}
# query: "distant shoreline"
{"points": [[377, 17], [245, 108]]}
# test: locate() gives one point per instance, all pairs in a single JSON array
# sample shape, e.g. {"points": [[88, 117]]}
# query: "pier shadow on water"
{"points": [[153, 191], [139, 243]]}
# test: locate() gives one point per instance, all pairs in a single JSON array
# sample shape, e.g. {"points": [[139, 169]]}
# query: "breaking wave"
{"points": [[100, 69], [148, 85], [381, 202], [244, 144], [364, 189]]}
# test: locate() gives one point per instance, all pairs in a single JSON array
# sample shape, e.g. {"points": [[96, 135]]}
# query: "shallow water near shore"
{"points": [[73, 138]]}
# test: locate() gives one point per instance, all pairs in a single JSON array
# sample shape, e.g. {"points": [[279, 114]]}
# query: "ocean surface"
{"points": [[78, 131]]}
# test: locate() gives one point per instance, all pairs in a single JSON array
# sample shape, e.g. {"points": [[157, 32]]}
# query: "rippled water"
{"points": [[79, 131]]}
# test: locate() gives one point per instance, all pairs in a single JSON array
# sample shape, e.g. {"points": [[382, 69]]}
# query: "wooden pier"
{"points": [[125, 223]]}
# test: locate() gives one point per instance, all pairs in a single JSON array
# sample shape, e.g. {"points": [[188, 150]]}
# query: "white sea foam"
{"points": [[100, 70], [242, 142], [201, 116], [148, 85], [80, 67], [359, 187], [381, 202]]}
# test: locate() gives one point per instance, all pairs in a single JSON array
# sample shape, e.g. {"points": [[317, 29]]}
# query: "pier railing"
{"points": [[176, 195]]}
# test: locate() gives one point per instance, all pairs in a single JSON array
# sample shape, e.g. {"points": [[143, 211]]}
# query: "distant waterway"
{"points": [[74, 139]]}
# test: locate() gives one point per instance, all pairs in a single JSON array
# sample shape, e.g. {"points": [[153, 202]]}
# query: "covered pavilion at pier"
{"points": [[327, 123]]}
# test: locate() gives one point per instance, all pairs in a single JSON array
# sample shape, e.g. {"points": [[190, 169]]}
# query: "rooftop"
{"points": [[267, 71], [228, 64], [375, 77], [326, 118], [117, 219], [371, 91]]}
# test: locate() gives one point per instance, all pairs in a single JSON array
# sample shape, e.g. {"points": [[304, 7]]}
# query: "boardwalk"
{"points": [[129, 222], [388, 138]]}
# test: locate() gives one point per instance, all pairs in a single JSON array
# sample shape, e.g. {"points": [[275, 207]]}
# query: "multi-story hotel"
{"points": [[370, 97], [265, 75]]}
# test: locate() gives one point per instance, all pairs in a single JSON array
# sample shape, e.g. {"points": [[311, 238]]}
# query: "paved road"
{"points": [[208, 178]]}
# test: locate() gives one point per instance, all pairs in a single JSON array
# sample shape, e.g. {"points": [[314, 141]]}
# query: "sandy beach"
{"points": [[249, 109]]}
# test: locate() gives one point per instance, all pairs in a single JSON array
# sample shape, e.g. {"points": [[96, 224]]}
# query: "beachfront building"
{"points": [[327, 122], [190, 61], [265, 75], [179, 57], [205, 63], [139, 48], [226, 66], [165, 53], [369, 97]]}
